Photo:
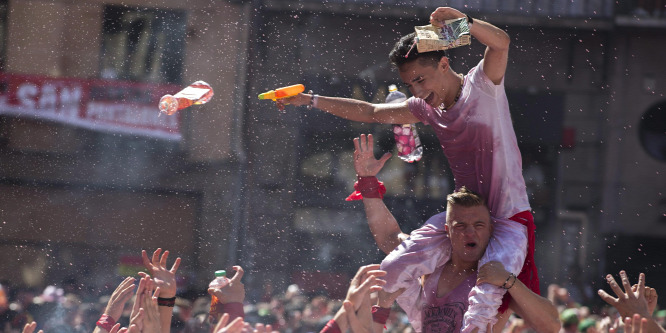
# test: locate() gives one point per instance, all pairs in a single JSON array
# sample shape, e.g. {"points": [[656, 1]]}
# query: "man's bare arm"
{"points": [[495, 39], [361, 111], [383, 226]]}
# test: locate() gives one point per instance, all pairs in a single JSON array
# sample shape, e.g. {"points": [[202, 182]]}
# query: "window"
{"points": [[145, 45]]}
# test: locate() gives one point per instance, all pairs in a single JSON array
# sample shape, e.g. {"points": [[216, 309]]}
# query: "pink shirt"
{"points": [[477, 137], [444, 314]]}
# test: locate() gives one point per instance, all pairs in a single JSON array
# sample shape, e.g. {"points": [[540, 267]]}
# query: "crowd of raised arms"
{"points": [[146, 303]]}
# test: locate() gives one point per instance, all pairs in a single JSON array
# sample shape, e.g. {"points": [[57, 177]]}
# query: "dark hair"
{"points": [[465, 197], [403, 47]]}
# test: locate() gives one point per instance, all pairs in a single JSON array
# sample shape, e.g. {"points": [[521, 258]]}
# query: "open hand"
{"points": [[364, 157], [163, 277], [120, 296], [627, 302]]}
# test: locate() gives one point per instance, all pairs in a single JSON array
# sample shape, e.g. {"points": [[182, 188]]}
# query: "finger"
{"points": [[115, 328], [371, 142], [237, 324], [357, 149], [269, 328], [156, 294], [363, 270], [124, 284], [133, 329], [363, 143], [163, 259], [222, 323], [607, 298], [146, 261], [156, 257], [644, 323], [123, 330], [351, 315], [238, 275], [641, 285], [616, 289], [376, 273], [385, 158], [215, 292], [625, 282], [367, 283], [175, 266]]}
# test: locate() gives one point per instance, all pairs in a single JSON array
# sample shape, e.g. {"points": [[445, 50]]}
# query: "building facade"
{"points": [[237, 182]]}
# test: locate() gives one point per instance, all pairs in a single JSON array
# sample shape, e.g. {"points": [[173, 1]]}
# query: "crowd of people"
{"points": [[137, 305]]}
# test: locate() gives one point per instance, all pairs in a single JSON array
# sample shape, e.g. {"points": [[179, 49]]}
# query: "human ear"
{"points": [[444, 63]]}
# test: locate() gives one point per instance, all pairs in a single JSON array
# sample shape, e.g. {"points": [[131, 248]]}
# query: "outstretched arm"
{"points": [[495, 39], [347, 108], [383, 225]]}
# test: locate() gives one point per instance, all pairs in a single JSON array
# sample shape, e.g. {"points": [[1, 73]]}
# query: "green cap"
{"points": [[569, 317], [220, 273], [585, 324]]}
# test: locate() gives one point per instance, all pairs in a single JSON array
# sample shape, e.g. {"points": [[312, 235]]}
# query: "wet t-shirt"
{"points": [[444, 314], [478, 139]]}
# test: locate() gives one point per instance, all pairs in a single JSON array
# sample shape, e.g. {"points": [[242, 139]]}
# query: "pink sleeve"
{"points": [[419, 109]]}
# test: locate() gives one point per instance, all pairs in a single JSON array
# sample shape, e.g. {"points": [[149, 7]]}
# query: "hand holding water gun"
{"points": [[287, 95]]}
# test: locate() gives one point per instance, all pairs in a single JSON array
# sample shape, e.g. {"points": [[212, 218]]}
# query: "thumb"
{"points": [[385, 158]]}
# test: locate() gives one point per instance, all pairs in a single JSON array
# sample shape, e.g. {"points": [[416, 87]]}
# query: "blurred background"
{"points": [[90, 175]]}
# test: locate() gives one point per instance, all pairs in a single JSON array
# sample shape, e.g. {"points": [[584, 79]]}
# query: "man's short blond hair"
{"points": [[465, 197]]}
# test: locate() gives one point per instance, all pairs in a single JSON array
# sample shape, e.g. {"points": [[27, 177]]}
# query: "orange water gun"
{"points": [[283, 92]]}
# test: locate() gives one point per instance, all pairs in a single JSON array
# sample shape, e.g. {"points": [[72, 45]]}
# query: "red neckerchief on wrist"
{"points": [[380, 315], [331, 327], [105, 322], [367, 187]]}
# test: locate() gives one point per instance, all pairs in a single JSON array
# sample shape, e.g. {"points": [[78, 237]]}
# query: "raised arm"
{"points": [[495, 39], [383, 225], [352, 109]]}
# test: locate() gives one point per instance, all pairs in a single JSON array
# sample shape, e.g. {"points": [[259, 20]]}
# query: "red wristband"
{"points": [[105, 322], [331, 327], [170, 302], [380, 315], [367, 187]]}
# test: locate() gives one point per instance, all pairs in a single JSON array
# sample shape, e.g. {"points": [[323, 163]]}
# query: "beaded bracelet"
{"points": [[503, 286]]}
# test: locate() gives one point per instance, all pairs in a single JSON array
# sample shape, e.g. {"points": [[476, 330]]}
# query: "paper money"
{"points": [[455, 33]]}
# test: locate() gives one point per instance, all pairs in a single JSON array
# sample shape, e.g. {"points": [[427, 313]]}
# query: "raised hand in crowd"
{"points": [[358, 302], [151, 313], [258, 328], [366, 281], [650, 296], [630, 302], [231, 297], [236, 325], [232, 292], [122, 294], [114, 308], [165, 279], [634, 324], [30, 328]]}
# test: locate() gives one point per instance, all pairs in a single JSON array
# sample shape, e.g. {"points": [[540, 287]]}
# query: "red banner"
{"points": [[109, 106]]}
